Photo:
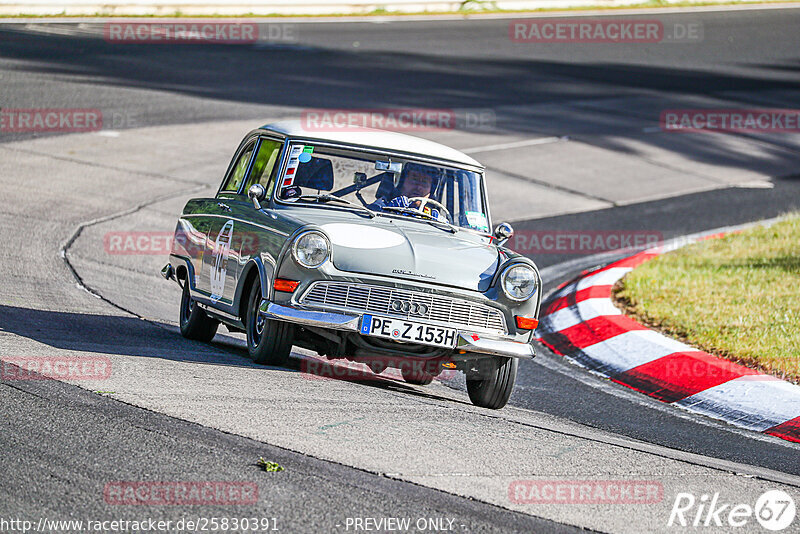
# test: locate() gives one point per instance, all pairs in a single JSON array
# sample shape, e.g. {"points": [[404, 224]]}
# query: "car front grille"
{"points": [[414, 305]]}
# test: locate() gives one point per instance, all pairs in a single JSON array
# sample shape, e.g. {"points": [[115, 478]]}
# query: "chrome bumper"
{"points": [[168, 272], [321, 319], [494, 346], [467, 341]]}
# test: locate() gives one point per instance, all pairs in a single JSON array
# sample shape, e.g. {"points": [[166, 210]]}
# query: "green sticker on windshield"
{"points": [[308, 149], [477, 220]]}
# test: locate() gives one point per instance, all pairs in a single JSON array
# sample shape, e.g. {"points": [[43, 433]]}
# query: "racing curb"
{"points": [[580, 321]]}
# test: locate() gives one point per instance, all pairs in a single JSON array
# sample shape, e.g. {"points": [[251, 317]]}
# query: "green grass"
{"points": [[269, 467], [737, 297], [470, 7]]}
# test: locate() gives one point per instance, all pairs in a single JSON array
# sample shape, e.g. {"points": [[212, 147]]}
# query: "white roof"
{"points": [[380, 139]]}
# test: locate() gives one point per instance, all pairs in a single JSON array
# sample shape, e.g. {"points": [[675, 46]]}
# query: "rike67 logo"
{"points": [[774, 510]]}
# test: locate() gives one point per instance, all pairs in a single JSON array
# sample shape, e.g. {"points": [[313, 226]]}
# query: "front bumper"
{"points": [[471, 342], [168, 272]]}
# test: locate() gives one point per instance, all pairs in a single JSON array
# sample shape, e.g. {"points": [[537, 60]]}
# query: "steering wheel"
{"points": [[423, 201]]}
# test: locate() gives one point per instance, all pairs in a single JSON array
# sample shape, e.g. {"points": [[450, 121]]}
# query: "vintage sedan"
{"points": [[368, 245]]}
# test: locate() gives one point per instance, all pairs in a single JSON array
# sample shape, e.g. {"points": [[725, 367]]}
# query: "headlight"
{"points": [[519, 282], [311, 249]]}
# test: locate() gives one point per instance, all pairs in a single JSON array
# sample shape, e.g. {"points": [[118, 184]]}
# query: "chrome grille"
{"points": [[359, 298]]}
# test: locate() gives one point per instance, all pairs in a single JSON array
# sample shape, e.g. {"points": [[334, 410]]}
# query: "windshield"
{"points": [[393, 186]]}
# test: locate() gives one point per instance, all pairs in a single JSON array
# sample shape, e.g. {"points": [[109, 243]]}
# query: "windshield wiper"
{"points": [[330, 198], [426, 217]]}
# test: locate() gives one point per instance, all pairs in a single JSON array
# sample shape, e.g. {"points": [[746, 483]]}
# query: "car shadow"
{"points": [[130, 336]]}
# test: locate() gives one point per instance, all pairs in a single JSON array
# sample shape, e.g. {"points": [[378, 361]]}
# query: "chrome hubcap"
{"points": [[261, 321]]}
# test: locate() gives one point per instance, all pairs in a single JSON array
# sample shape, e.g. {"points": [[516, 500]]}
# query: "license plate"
{"points": [[409, 331]]}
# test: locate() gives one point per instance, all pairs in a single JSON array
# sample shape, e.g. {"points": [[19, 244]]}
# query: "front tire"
{"points": [[269, 342], [494, 390], [195, 323]]}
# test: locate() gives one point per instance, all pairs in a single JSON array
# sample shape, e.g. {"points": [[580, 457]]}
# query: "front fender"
{"points": [[255, 267]]}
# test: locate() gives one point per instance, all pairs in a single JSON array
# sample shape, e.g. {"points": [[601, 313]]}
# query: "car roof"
{"points": [[381, 139]]}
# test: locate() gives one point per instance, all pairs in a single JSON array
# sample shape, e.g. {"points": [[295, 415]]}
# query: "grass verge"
{"points": [[737, 297]]}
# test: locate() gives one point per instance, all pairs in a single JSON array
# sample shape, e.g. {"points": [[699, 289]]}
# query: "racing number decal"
{"points": [[222, 249]]}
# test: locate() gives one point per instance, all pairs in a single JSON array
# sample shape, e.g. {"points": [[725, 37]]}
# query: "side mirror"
{"points": [[256, 193], [503, 233]]}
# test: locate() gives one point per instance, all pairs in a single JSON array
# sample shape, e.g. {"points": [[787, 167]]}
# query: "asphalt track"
{"points": [[61, 443]]}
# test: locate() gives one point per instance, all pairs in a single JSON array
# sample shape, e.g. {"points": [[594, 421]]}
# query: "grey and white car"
{"points": [[367, 245]]}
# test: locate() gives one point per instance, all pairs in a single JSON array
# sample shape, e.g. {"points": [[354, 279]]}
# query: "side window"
{"points": [[264, 165], [237, 173]]}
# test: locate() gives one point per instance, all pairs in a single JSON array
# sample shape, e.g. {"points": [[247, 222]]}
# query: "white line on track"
{"points": [[514, 144]]}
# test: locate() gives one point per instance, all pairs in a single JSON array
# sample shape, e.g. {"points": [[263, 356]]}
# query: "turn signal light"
{"points": [[288, 286], [527, 323]]}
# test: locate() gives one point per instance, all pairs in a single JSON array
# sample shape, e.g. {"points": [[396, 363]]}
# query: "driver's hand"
{"points": [[399, 202]]}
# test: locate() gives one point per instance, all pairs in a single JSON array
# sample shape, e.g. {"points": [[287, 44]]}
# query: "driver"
{"points": [[417, 182]]}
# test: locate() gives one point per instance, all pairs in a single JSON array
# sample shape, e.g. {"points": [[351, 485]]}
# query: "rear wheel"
{"points": [[269, 342], [495, 388], [195, 323]]}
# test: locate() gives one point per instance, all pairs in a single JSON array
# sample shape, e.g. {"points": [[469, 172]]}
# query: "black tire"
{"points": [[269, 342], [494, 390], [195, 323]]}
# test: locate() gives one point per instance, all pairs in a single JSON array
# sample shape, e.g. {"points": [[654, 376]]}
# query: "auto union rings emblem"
{"points": [[411, 308]]}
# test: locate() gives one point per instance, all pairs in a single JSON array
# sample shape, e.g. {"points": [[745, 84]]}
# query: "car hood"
{"points": [[413, 251]]}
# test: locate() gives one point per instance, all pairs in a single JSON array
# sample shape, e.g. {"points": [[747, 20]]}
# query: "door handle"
{"points": [[224, 207]]}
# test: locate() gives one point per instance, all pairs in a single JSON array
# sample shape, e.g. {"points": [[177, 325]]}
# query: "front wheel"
{"points": [[195, 323], [495, 388], [269, 342]]}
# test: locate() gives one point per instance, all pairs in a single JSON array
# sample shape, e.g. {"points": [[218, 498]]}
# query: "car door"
{"points": [[221, 263], [191, 240], [251, 233]]}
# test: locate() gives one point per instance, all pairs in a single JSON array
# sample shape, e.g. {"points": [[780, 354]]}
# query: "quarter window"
{"points": [[264, 165], [239, 169]]}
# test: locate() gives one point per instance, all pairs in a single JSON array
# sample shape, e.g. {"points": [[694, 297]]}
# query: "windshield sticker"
{"points": [[477, 220], [291, 166], [305, 157], [308, 149]]}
